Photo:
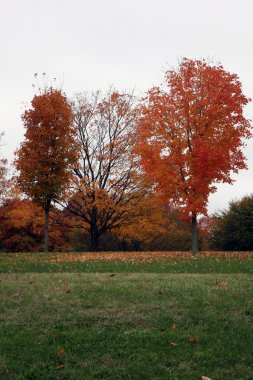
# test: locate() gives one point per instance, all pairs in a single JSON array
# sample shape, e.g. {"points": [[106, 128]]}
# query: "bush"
{"points": [[232, 229]]}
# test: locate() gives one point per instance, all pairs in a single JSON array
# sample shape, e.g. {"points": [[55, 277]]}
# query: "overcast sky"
{"points": [[90, 44]]}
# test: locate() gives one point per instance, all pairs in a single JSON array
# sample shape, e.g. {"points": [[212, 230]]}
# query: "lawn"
{"points": [[126, 316]]}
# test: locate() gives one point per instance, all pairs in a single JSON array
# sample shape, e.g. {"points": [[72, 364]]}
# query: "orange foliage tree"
{"points": [[45, 158], [191, 133], [106, 183], [22, 227]]}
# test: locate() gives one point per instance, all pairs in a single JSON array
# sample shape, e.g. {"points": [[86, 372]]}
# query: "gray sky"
{"points": [[90, 44]]}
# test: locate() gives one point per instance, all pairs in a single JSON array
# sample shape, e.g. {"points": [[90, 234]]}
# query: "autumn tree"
{"points": [[191, 134], [45, 158], [106, 182], [22, 227]]}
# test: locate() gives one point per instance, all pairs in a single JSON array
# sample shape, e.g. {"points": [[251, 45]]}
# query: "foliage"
{"points": [[232, 229], [45, 158], [22, 226], [46, 155], [177, 234], [191, 133], [148, 226], [145, 221], [107, 189]]}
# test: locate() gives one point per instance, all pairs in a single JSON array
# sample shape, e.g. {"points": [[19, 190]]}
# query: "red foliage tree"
{"points": [[45, 158], [191, 134]]}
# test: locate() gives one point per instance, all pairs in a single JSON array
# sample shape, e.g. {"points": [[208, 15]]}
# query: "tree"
{"points": [[191, 133], [232, 229], [140, 229], [45, 158], [22, 227], [106, 182]]}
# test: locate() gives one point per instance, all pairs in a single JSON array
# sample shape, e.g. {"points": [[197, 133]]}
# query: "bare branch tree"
{"points": [[106, 180]]}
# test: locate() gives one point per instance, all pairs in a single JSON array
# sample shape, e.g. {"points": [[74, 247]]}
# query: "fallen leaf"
{"points": [[174, 327], [60, 366], [173, 344], [194, 339], [112, 275], [205, 378], [16, 295], [223, 285], [68, 291], [161, 291], [60, 352]]}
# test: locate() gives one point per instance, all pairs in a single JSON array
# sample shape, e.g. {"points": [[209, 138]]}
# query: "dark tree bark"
{"points": [[94, 241], [94, 232], [46, 209], [194, 235]]}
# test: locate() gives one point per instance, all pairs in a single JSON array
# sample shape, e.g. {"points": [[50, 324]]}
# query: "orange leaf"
{"points": [[174, 327], [60, 352], [60, 366], [194, 339], [16, 295], [223, 285]]}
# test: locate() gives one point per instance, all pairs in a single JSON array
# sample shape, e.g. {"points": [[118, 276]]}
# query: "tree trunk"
{"points": [[94, 240], [94, 233], [46, 209], [194, 235]]}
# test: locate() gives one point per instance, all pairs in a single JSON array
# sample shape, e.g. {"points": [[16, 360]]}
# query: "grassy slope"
{"points": [[99, 326]]}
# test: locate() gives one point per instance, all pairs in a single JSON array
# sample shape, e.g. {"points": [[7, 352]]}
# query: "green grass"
{"points": [[114, 325]]}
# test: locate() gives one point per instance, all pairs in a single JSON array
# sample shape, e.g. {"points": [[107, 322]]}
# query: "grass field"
{"points": [[126, 316]]}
